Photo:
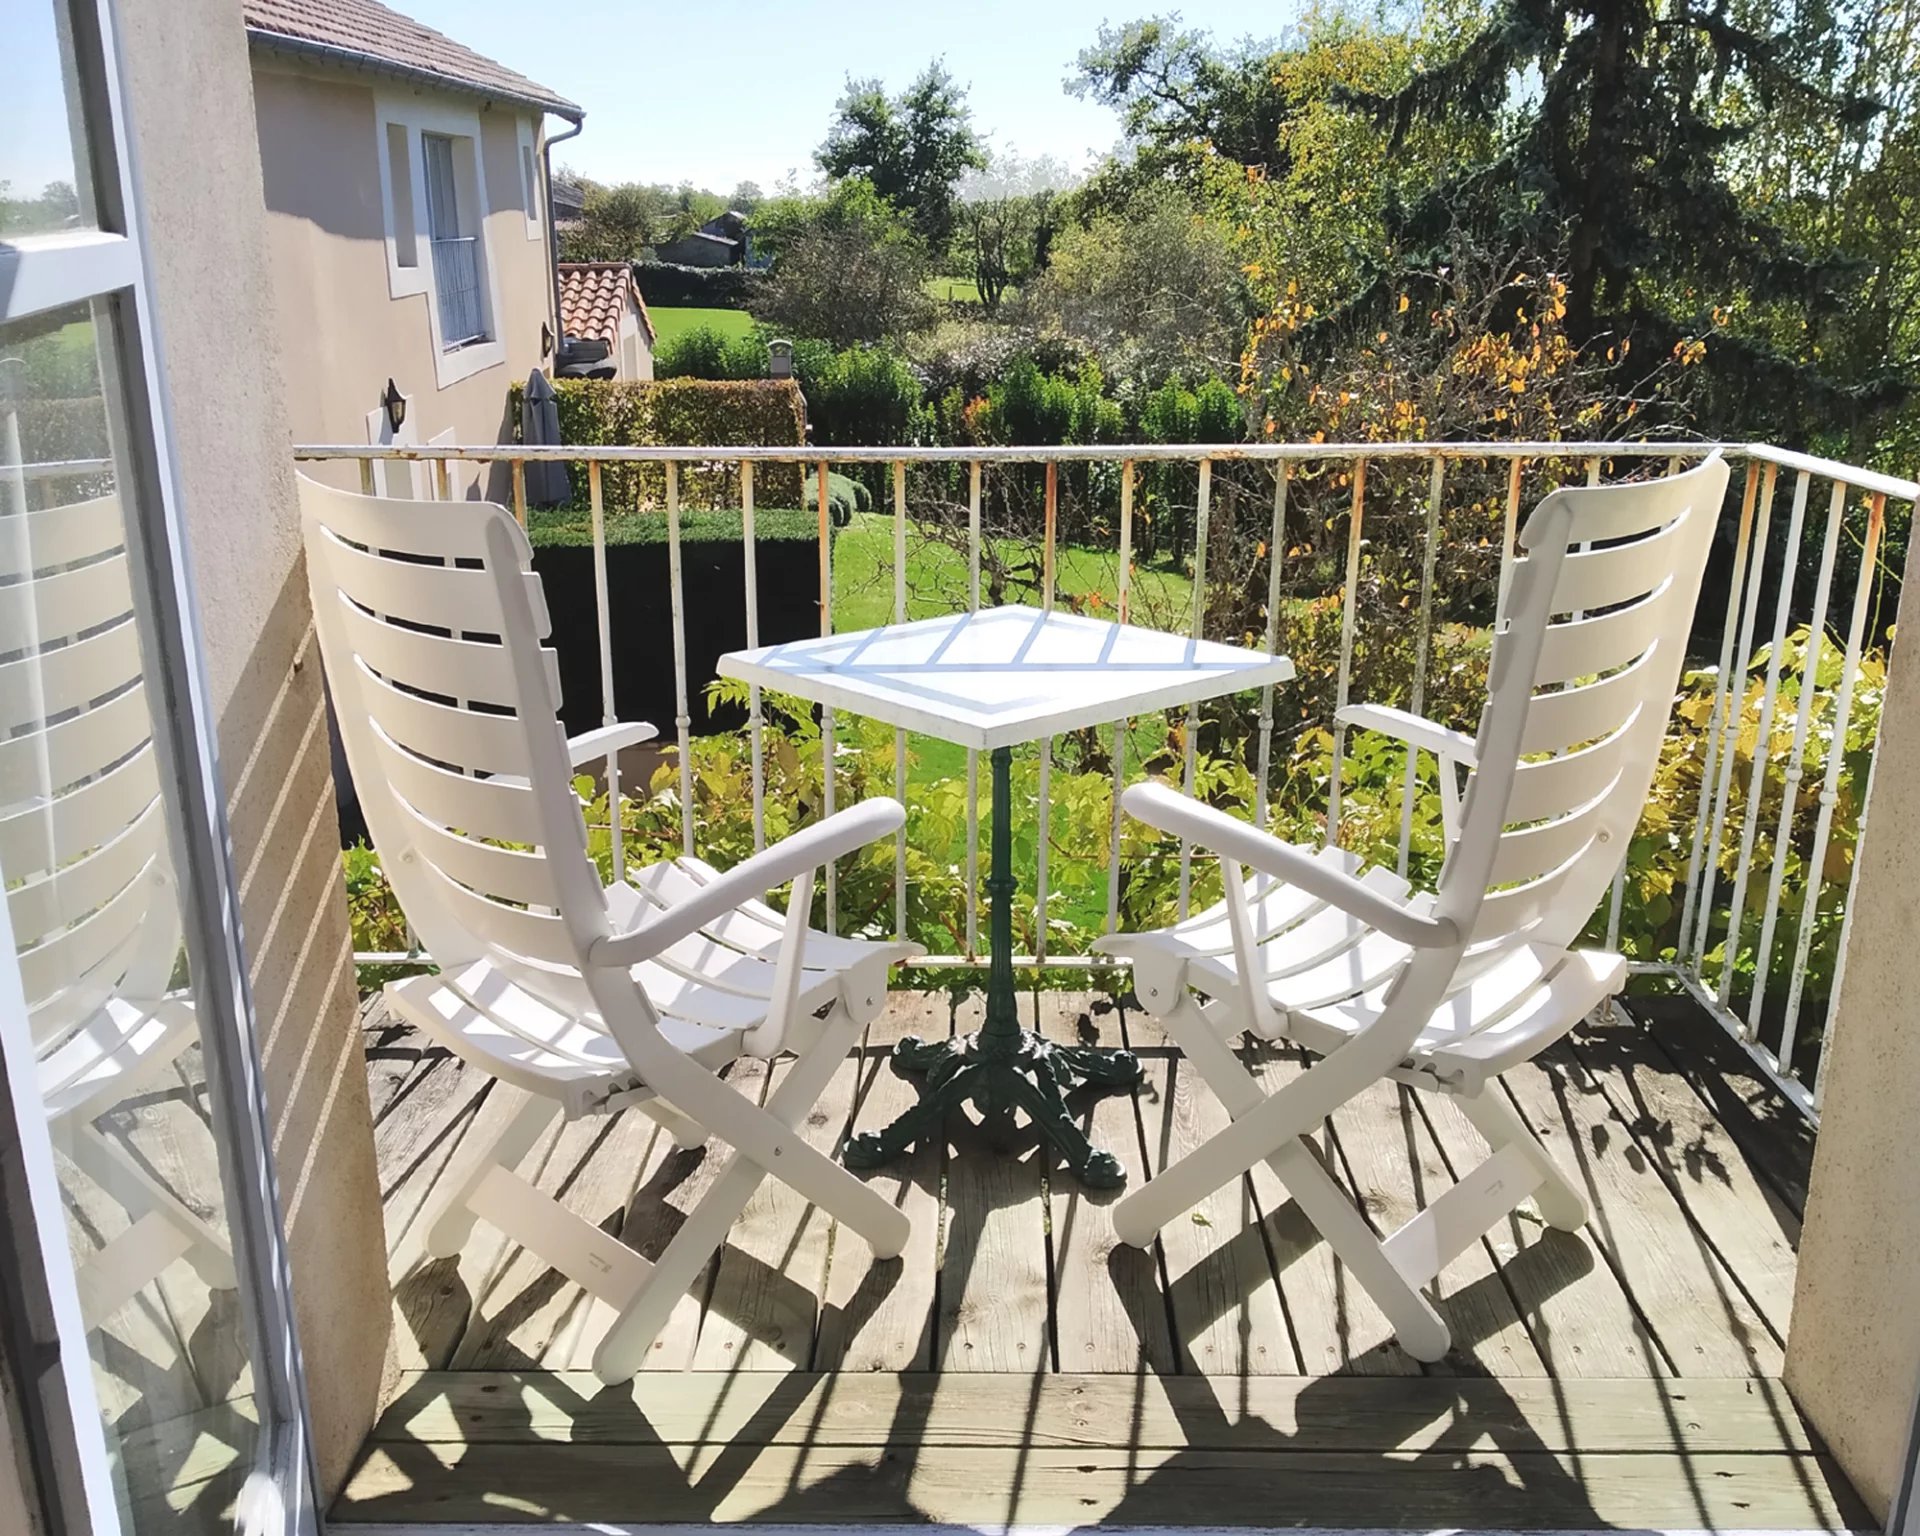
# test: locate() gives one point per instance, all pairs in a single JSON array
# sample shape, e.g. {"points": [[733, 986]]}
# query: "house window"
{"points": [[456, 251]]}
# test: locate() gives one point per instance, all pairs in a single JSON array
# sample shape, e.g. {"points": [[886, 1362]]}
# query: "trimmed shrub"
{"points": [[676, 287], [659, 413], [705, 353], [864, 396]]}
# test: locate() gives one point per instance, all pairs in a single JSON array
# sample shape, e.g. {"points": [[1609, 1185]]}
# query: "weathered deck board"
{"points": [[1227, 1314], [1109, 1311], [1336, 1324], [1394, 1171], [993, 1294], [879, 1316], [1563, 1409], [1704, 1324]]}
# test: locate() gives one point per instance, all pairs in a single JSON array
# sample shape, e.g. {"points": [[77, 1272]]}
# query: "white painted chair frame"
{"points": [[583, 997], [1444, 991], [90, 893]]}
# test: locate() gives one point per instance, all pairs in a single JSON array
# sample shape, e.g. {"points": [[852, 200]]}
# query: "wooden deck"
{"points": [[1016, 1365]]}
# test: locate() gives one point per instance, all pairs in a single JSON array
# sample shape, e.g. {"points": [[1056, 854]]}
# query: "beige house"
{"points": [[405, 191], [600, 302]]}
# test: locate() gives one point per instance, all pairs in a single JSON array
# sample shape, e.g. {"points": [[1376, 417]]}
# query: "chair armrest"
{"points": [[607, 740], [786, 860], [1414, 730], [1171, 811]]}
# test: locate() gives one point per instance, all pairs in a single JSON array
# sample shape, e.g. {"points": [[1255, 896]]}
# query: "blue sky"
{"points": [[719, 91]]}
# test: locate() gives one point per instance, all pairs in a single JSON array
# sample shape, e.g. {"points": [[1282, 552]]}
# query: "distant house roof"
{"points": [[364, 34], [593, 297]]}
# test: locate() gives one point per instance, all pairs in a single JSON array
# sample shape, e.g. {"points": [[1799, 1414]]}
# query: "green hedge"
{"points": [[567, 528], [673, 286], [681, 412]]}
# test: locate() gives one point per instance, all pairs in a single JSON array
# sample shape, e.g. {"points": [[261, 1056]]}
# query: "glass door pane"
{"points": [[89, 849]]}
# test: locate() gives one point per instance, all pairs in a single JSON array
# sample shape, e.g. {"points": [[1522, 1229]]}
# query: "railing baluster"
{"points": [[1509, 532], [1730, 726], [973, 757], [1041, 889], [1769, 698], [1355, 526], [1795, 771], [900, 736], [443, 479], [1722, 692], [1202, 509], [1122, 590], [1422, 652], [1276, 547], [609, 711], [682, 720], [826, 714], [755, 727], [519, 467], [1830, 782]]}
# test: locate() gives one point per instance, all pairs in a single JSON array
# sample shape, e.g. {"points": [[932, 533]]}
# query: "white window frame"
{"points": [[415, 116], [527, 154]]}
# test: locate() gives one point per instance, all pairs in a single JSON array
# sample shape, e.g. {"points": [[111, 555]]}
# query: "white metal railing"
{"points": [[1715, 902]]}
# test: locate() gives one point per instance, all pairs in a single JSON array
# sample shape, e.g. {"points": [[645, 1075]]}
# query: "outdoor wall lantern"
{"points": [[396, 404]]}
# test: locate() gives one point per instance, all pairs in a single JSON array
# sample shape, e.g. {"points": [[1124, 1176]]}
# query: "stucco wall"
{"points": [[221, 327], [1853, 1358], [342, 333]]}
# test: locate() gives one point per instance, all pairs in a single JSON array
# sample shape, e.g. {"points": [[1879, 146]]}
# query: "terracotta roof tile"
{"points": [[384, 39], [593, 296]]}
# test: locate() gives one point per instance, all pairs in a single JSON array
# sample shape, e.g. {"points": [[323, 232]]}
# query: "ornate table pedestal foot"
{"points": [[1002, 1068]]}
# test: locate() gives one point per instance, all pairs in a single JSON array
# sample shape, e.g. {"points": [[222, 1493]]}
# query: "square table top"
{"points": [[1002, 676]]}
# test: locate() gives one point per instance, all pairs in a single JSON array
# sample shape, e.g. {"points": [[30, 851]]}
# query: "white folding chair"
{"points": [[587, 997], [90, 897], [1443, 991]]}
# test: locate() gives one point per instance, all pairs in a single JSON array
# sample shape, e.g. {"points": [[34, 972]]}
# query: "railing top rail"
{"points": [[1077, 453], [1832, 469]]}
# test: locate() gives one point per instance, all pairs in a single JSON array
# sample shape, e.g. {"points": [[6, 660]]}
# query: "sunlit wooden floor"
{"points": [[1016, 1366]]}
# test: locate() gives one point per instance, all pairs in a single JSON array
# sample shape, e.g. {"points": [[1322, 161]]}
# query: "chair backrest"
{"points": [[1580, 691], [460, 765], [83, 838]]}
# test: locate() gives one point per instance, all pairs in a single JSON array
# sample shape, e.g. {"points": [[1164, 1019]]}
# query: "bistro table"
{"points": [[989, 680]]}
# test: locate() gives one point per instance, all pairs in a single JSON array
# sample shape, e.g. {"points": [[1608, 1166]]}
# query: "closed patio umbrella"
{"points": [[547, 482]]}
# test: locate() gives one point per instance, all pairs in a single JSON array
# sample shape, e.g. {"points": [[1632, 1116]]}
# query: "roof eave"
{"points": [[353, 58]]}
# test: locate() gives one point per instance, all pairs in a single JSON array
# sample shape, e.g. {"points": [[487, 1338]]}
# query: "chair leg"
{"points": [[1421, 1330], [687, 1133], [109, 1164], [449, 1218], [1563, 1205]]}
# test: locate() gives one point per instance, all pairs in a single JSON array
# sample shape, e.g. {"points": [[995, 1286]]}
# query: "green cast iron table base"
{"points": [[1002, 1069]]}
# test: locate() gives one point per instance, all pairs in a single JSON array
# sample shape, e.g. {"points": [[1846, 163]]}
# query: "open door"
{"points": [[144, 1312]]}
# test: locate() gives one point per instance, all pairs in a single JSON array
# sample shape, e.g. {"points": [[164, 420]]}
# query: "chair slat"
{"points": [[534, 935], [479, 807], [1588, 647], [460, 669], [439, 596], [40, 763], [1557, 721], [32, 542], [1556, 786], [503, 873], [35, 614], [80, 1001], [1617, 573], [465, 738], [44, 686], [438, 530], [1524, 853], [51, 964], [50, 901], [53, 833]]}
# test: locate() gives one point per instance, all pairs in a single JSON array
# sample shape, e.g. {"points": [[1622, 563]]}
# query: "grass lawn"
{"points": [[669, 323], [954, 290]]}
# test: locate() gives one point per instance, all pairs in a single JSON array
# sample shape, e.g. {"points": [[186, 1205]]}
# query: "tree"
{"points": [[1619, 152], [1007, 222], [746, 197], [912, 148], [617, 223], [1154, 290], [1176, 93], [848, 268]]}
